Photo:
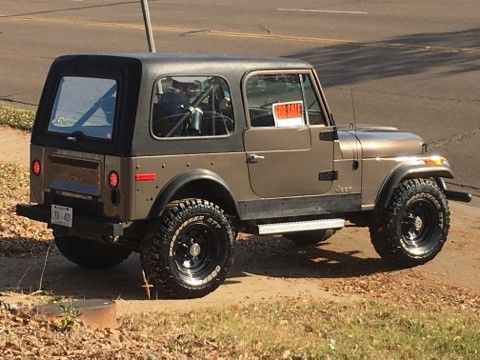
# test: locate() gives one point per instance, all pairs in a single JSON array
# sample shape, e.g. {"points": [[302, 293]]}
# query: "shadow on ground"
{"points": [[456, 52], [22, 247], [273, 257]]}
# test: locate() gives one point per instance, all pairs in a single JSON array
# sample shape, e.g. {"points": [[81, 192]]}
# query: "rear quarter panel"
{"points": [[231, 167]]}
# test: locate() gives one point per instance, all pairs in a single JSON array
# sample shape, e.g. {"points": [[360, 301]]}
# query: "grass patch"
{"points": [[310, 329], [284, 329], [16, 118]]}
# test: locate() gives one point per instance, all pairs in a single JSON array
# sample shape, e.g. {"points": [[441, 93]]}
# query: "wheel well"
{"points": [[404, 173], [208, 190]]}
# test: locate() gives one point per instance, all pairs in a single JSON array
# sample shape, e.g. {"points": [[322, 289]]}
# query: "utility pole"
{"points": [[148, 26]]}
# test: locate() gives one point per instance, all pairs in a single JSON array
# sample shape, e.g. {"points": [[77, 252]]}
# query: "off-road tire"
{"points": [[166, 256], [309, 238], [91, 254], [390, 233]]}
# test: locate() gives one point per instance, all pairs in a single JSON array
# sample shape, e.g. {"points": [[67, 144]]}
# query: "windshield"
{"points": [[84, 107]]}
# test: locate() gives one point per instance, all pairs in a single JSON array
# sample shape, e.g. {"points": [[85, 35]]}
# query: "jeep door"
{"points": [[289, 142]]}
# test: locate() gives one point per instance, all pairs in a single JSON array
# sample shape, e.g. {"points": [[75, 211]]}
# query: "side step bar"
{"points": [[281, 228]]}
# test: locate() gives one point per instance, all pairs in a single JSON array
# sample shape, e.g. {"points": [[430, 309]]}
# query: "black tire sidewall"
{"points": [[221, 263], [386, 232], [91, 254], [156, 249], [437, 237]]}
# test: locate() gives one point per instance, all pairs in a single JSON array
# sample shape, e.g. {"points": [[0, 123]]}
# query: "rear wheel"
{"points": [[414, 227], [305, 238], [189, 251], [89, 253]]}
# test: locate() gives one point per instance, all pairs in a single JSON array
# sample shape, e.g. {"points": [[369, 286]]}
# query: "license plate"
{"points": [[62, 215]]}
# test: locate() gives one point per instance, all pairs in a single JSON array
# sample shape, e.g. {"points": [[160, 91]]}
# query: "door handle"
{"points": [[253, 158]]}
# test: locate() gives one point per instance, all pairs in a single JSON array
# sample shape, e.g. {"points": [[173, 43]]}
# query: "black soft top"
{"points": [[136, 75], [213, 62]]}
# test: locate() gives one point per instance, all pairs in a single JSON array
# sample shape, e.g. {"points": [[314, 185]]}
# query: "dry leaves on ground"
{"points": [[18, 235]]}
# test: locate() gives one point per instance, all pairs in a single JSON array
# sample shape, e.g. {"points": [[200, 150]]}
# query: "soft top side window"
{"points": [[186, 106], [282, 100]]}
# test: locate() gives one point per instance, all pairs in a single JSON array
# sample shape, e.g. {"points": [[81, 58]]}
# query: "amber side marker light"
{"points": [[434, 161], [36, 167], [113, 179]]}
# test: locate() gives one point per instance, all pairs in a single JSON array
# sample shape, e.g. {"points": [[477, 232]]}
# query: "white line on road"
{"points": [[325, 11]]}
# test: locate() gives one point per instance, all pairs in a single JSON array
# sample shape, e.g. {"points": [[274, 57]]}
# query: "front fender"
{"points": [[409, 171]]}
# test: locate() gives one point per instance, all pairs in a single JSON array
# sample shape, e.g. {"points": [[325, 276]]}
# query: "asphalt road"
{"points": [[410, 64]]}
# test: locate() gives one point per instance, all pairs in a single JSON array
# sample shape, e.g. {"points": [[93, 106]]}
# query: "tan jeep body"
{"points": [[171, 155]]}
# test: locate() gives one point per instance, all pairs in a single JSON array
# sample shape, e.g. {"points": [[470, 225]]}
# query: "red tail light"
{"points": [[36, 167], [113, 179]]}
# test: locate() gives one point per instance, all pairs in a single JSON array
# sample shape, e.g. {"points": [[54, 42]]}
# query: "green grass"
{"points": [[16, 118], [322, 330]]}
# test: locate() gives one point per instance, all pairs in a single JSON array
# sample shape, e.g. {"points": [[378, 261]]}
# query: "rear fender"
{"points": [[183, 183]]}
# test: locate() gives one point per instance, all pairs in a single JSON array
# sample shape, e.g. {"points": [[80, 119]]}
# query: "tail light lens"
{"points": [[113, 179], [36, 167]]}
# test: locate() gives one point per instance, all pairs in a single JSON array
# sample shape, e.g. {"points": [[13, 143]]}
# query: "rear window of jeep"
{"points": [[192, 106], [84, 106]]}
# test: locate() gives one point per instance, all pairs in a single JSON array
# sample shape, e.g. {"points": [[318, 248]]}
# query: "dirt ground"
{"points": [[14, 145], [266, 268]]}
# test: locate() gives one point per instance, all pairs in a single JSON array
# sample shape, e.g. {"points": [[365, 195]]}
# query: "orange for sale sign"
{"points": [[288, 114]]}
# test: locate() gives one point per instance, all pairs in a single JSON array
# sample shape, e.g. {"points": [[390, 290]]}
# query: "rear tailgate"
{"points": [[74, 173]]}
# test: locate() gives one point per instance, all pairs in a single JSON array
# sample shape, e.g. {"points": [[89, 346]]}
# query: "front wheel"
{"points": [[414, 227], [188, 252]]}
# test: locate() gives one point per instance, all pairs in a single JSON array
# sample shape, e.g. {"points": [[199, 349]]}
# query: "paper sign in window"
{"points": [[288, 114]]}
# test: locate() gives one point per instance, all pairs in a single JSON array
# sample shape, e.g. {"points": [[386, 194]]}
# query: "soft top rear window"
{"points": [[84, 107]]}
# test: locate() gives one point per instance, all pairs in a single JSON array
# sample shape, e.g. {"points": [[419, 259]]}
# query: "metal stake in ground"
{"points": [[148, 25]]}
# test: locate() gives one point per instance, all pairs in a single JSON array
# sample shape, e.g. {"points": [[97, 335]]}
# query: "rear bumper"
{"points": [[82, 225]]}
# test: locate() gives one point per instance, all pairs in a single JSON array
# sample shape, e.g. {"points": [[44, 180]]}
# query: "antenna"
{"points": [[148, 26], [354, 125], [353, 109]]}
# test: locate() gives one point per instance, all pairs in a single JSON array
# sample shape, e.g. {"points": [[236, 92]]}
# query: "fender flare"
{"points": [[169, 190], [404, 172]]}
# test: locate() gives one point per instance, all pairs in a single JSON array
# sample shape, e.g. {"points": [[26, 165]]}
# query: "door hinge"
{"points": [[328, 175], [328, 135]]}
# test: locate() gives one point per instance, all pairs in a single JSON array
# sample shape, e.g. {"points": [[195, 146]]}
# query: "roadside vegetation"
{"points": [[16, 118]]}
